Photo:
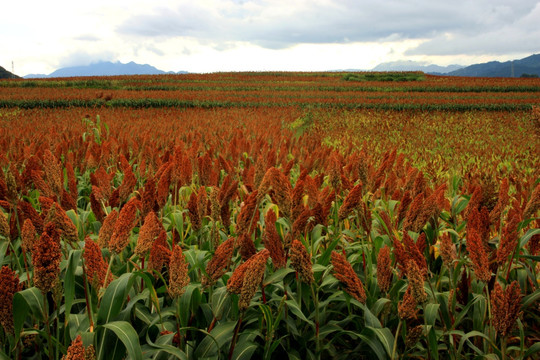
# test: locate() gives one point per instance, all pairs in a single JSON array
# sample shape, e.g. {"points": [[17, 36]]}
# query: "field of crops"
{"points": [[270, 216]]}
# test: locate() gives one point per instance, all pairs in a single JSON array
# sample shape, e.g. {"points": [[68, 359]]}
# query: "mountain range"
{"points": [[410, 65], [529, 66], [105, 68]]}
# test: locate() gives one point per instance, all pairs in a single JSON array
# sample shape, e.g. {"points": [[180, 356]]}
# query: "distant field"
{"points": [[270, 215]]}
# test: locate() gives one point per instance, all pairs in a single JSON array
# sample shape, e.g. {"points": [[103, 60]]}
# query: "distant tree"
{"points": [[529, 75]]}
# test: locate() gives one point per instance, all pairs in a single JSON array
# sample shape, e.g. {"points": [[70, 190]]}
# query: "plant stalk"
{"points": [[394, 349], [235, 335]]}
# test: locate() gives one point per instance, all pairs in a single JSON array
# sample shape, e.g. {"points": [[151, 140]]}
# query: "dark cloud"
{"points": [[280, 24]]}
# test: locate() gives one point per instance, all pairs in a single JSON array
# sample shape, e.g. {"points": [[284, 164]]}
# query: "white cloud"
{"points": [[215, 35]]}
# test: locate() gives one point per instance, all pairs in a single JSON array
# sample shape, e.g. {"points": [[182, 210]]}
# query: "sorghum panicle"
{"points": [[502, 202], [414, 253], [96, 267], [272, 240], [235, 282], [478, 255], [403, 206], [414, 211], [384, 269], [351, 202], [407, 307], [344, 272], [217, 266], [128, 182], [9, 283], [123, 226], [148, 232], [46, 259], [76, 350], [301, 261], [107, 229], [160, 254], [193, 209], [4, 226], [246, 218], [53, 172], [252, 278], [533, 205], [63, 223], [508, 240], [416, 282], [281, 190], [413, 335], [505, 307], [28, 235], [448, 250], [178, 272]]}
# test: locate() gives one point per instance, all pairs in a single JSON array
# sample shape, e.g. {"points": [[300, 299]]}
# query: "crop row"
{"points": [[379, 104], [243, 240]]}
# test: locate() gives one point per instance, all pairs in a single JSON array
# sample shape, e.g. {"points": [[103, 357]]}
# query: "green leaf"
{"points": [[370, 319], [470, 334], [3, 247], [531, 257], [78, 323], [219, 336], [220, 301], [525, 238], [185, 304], [430, 313], [328, 329], [293, 306], [375, 345], [244, 350], [125, 332], [277, 276], [532, 350], [114, 298], [530, 299], [385, 337], [379, 306], [25, 302], [69, 280], [162, 345], [324, 259], [267, 315], [75, 219], [432, 342]]}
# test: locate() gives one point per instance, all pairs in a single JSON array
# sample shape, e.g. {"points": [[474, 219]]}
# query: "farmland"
{"points": [[270, 215]]}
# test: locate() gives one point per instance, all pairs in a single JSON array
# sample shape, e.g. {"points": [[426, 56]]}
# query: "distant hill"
{"points": [[4, 74], [105, 68], [415, 66], [515, 68]]}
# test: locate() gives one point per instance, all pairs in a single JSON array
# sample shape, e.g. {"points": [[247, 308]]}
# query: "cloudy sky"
{"points": [[236, 35]]}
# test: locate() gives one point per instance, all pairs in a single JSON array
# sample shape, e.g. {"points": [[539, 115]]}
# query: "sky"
{"points": [[264, 35]]}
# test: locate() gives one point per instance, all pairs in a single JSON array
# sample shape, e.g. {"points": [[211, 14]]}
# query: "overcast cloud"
{"points": [[217, 35], [283, 24]]}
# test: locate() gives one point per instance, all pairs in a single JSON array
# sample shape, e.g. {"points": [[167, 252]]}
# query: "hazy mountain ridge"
{"points": [[105, 68], [410, 65], [515, 68]]}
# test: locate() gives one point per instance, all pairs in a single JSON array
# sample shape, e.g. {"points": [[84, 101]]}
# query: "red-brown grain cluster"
{"points": [[344, 272]]}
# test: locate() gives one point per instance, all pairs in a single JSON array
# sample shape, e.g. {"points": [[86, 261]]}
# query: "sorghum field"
{"points": [[270, 216]]}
